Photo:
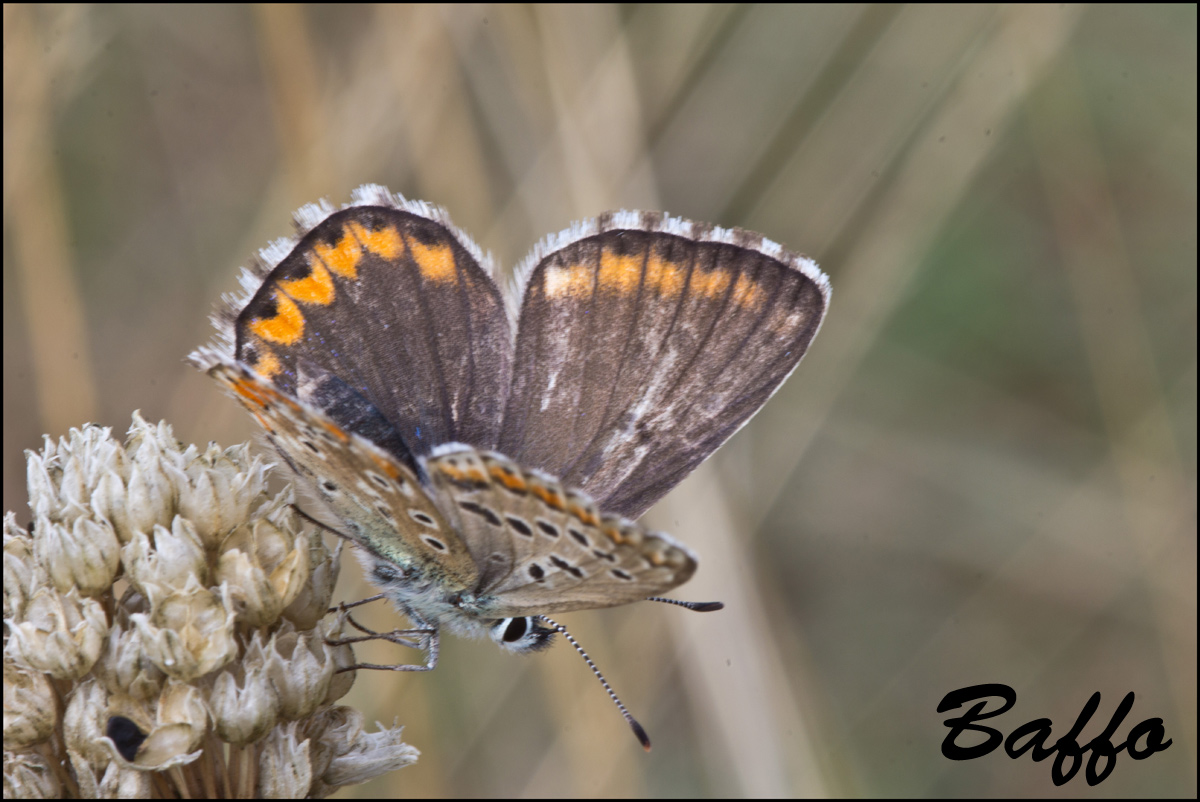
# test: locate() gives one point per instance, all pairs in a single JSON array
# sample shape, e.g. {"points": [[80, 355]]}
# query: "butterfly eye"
{"points": [[516, 629], [521, 635]]}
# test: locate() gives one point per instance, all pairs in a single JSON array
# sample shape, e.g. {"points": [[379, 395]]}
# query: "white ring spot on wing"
{"points": [[422, 518]]}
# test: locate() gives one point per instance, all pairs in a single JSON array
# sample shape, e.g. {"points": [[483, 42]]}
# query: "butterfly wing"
{"points": [[376, 497], [375, 345], [386, 317], [645, 342], [546, 549]]}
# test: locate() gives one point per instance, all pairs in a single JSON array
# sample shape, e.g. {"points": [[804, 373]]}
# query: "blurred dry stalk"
{"points": [[158, 589], [984, 470]]}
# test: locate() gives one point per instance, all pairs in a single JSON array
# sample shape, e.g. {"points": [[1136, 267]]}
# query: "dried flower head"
{"points": [[166, 630]]}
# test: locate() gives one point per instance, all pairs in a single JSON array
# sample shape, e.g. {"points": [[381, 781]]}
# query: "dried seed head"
{"points": [[163, 590]]}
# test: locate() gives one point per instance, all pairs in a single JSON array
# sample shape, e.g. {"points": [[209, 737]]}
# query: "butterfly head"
{"points": [[523, 635]]}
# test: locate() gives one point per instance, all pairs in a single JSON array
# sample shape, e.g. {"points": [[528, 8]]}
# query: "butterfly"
{"points": [[489, 447]]}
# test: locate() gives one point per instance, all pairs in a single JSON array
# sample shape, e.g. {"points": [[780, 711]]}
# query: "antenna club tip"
{"points": [[640, 733], [708, 607]]}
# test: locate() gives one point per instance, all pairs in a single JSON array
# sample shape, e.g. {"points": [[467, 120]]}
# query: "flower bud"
{"points": [[284, 768], [301, 668], [266, 568], [61, 634], [30, 707], [82, 554], [174, 555], [243, 701], [188, 632], [29, 775]]}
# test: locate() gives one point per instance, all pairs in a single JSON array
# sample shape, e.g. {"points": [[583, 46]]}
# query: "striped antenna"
{"points": [[698, 607], [637, 728]]}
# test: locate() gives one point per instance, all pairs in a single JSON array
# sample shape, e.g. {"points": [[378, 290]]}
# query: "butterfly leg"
{"points": [[424, 637], [396, 636]]}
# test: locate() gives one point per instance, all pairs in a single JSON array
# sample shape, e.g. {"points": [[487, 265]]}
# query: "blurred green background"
{"points": [[984, 470]]}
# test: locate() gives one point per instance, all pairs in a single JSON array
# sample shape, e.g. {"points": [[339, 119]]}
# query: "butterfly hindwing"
{"points": [[475, 506], [386, 306], [377, 499], [546, 549], [643, 343]]}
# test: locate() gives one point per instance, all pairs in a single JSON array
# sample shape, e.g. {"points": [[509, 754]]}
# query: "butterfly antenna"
{"points": [[319, 524], [637, 728], [699, 607]]}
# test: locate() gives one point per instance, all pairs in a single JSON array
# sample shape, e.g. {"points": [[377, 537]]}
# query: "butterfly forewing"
{"points": [[639, 351], [391, 312], [377, 498]]}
